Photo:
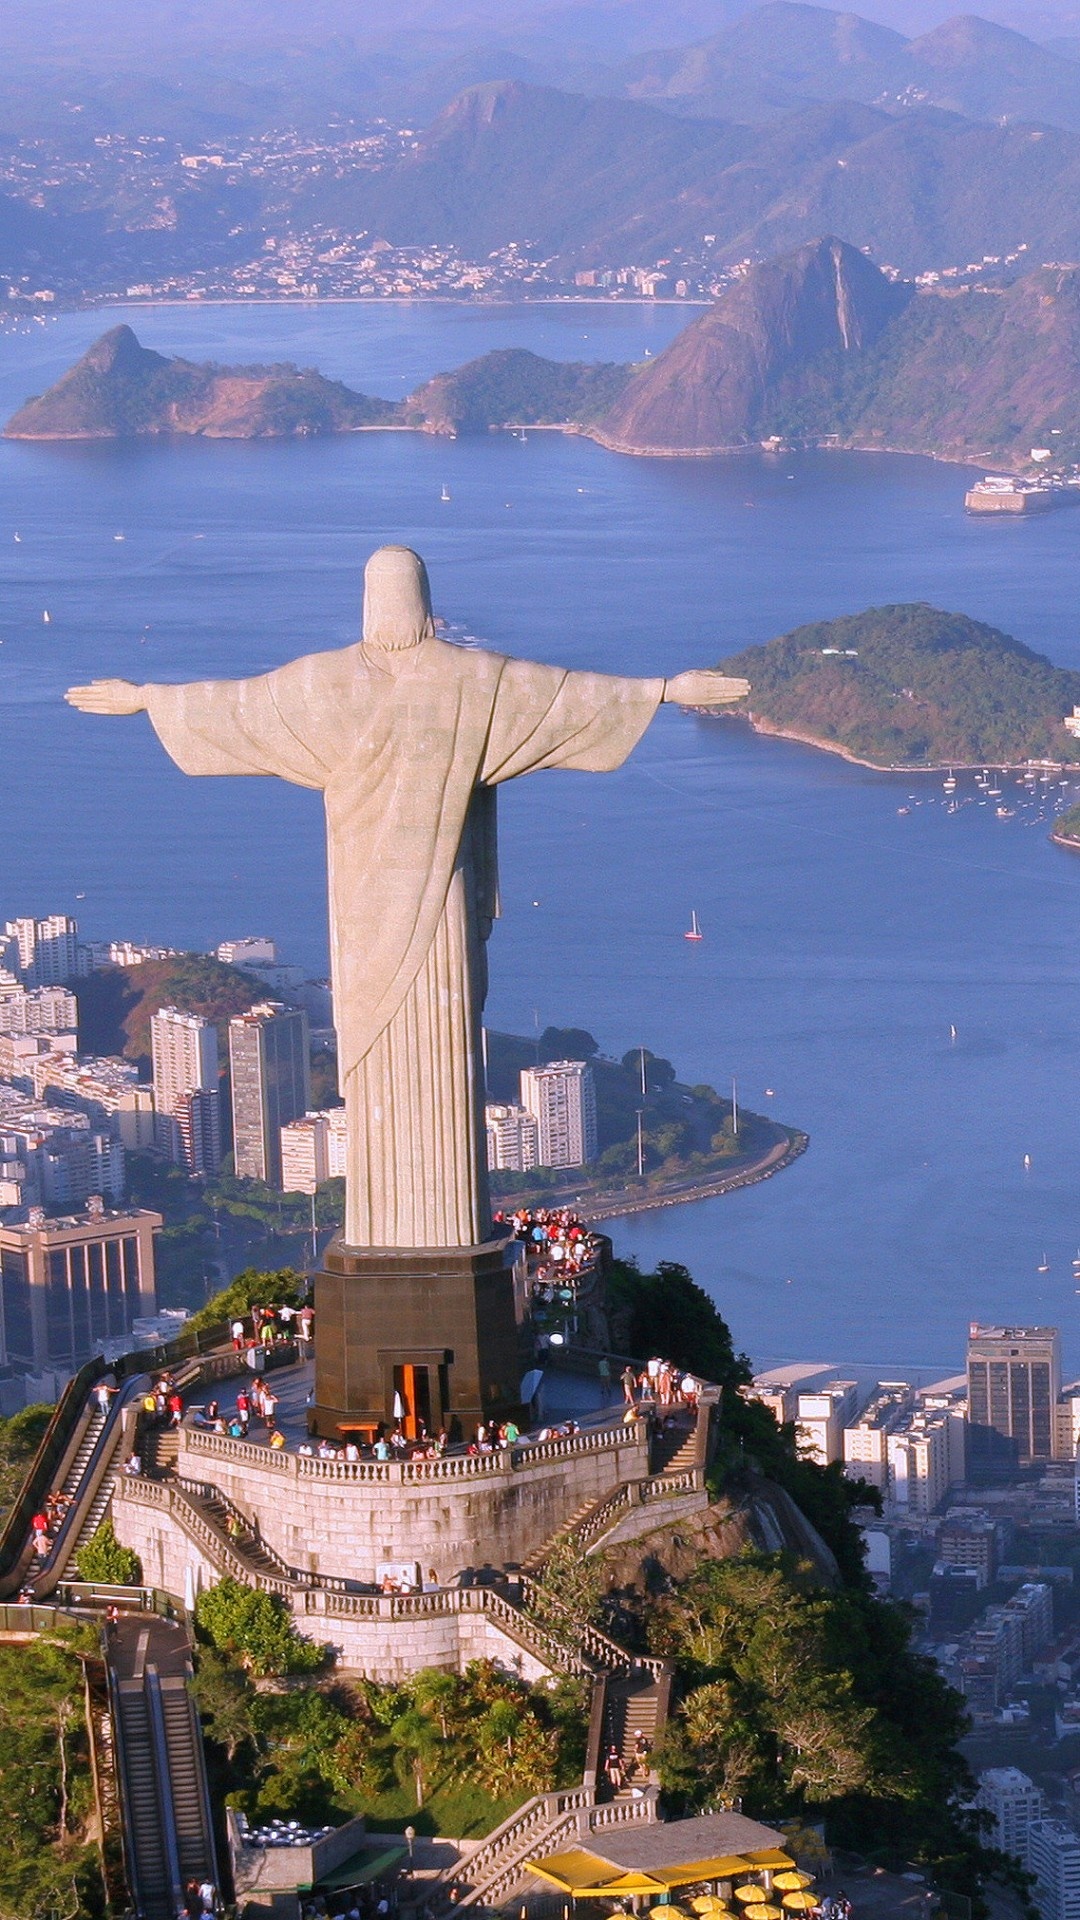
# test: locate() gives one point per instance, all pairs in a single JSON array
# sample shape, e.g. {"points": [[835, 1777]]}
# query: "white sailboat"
{"points": [[445, 494], [693, 932], [949, 785], [46, 617]]}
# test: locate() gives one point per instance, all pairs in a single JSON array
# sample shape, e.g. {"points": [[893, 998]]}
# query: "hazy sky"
{"points": [[127, 29]]}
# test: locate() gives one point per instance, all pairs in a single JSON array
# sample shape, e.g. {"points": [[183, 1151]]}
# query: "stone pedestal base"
{"points": [[410, 1335]]}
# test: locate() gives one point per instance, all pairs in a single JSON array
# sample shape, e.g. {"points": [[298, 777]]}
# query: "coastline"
{"points": [[766, 729], [781, 1154], [613, 1204]]}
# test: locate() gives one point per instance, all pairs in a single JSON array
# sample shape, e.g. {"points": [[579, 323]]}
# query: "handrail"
{"points": [[51, 1450], [606, 1652], [418, 1473], [163, 1780], [104, 1450]]}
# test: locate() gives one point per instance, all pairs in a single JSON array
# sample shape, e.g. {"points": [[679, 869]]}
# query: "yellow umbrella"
{"points": [[709, 1904], [800, 1902], [792, 1881], [764, 1910], [753, 1890]]}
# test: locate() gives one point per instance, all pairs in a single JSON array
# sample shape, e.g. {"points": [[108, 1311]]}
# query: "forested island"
{"points": [[911, 686]]}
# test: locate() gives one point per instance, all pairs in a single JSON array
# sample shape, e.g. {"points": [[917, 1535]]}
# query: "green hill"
{"points": [[912, 686], [116, 1004]]}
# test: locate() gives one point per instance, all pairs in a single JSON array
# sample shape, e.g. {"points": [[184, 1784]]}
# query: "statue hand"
{"points": [[107, 696], [704, 688]]}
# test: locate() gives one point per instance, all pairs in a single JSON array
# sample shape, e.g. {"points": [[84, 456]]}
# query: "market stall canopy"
{"points": [[658, 1856]]}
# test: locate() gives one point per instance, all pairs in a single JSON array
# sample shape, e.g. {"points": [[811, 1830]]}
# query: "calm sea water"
{"points": [[842, 939]]}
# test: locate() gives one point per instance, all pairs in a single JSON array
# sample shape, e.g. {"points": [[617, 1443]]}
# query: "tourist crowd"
{"points": [[660, 1383], [558, 1244], [272, 1326]]}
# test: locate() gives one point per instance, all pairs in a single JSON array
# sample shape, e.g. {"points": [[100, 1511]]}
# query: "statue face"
{"points": [[397, 600]]}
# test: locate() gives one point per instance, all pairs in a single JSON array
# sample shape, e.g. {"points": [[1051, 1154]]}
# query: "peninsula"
{"points": [[912, 687]]}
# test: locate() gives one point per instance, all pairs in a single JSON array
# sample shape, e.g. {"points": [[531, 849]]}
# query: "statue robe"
{"points": [[407, 748]]}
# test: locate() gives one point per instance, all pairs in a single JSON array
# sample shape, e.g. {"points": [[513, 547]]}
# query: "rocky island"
{"points": [[912, 687], [121, 388]]}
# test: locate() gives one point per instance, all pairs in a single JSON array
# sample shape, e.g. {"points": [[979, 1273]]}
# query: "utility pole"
{"points": [[640, 1147], [644, 1082], [314, 1232], [734, 1108]]}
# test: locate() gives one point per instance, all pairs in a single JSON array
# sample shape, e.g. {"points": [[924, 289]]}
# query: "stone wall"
{"points": [[461, 1514]]}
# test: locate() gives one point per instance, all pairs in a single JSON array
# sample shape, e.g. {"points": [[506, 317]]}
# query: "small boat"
{"points": [[1044, 1265], [949, 785], [952, 1031], [1027, 1163], [118, 536], [693, 932], [46, 617], [1005, 813], [18, 539], [445, 494], [903, 810], [769, 1095]]}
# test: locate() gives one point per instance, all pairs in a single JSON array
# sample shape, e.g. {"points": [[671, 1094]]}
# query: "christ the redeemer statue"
{"points": [[408, 738]]}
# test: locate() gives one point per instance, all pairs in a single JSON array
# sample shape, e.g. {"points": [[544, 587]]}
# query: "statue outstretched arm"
{"points": [[108, 696], [704, 688], [265, 725]]}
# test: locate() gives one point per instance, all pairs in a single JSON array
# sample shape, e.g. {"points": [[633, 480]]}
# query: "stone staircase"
{"points": [[234, 1529], [497, 1870], [635, 1706], [675, 1449], [160, 1451]]}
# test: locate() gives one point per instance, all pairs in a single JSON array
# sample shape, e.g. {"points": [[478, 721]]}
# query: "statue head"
{"points": [[397, 601]]}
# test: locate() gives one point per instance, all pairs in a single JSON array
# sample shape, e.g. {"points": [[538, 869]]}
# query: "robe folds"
{"points": [[407, 748]]}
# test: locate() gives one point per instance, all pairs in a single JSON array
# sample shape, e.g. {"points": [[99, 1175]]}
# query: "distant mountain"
{"points": [[819, 345], [912, 686], [784, 56], [771, 342], [513, 387], [120, 388], [507, 162], [587, 183]]}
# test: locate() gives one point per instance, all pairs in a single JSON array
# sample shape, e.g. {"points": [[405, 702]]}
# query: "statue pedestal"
{"points": [[404, 1335]]}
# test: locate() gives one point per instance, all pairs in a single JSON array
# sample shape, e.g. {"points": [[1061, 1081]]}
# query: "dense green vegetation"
{"points": [[255, 1630], [49, 1867], [800, 1701], [446, 1752], [1067, 826], [924, 688], [801, 1696], [20, 1437], [252, 1288], [105, 1561], [516, 388]]}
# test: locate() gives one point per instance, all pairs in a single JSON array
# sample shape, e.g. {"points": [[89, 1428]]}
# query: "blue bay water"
{"points": [[842, 939]]}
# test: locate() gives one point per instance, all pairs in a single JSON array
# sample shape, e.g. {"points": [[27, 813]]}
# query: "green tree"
{"points": [[106, 1562], [416, 1738], [283, 1287], [20, 1437], [224, 1697], [568, 1593], [256, 1628]]}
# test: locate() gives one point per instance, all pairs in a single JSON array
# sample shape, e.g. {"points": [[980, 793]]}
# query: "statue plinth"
{"points": [[404, 1335]]}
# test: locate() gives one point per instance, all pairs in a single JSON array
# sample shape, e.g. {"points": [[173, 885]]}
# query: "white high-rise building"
{"points": [[513, 1138], [185, 1055], [270, 1059], [1054, 1859], [918, 1454], [51, 1010], [561, 1097], [336, 1144], [821, 1416], [46, 952], [1015, 1803], [305, 1160]]}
